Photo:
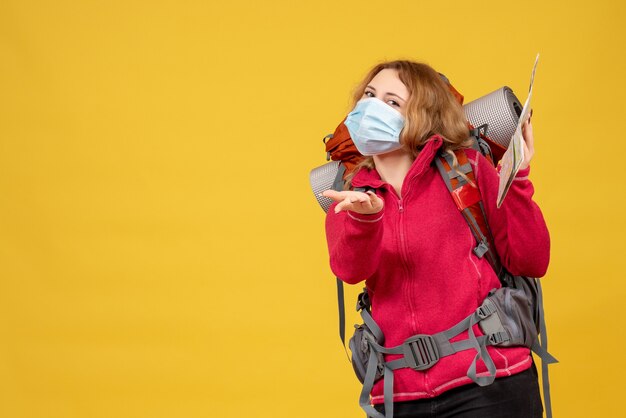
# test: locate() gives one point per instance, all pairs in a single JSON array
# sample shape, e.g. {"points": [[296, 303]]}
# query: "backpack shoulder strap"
{"points": [[462, 185]]}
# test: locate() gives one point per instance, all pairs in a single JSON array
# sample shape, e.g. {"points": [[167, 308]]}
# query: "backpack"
{"points": [[509, 316]]}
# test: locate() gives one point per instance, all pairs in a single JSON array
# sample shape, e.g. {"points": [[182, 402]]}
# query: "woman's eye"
{"points": [[393, 103], [369, 94]]}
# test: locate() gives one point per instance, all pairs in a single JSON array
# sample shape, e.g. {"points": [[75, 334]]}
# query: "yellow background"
{"points": [[161, 254]]}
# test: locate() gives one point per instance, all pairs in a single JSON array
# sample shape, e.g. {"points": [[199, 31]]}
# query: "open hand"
{"points": [[359, 202]]}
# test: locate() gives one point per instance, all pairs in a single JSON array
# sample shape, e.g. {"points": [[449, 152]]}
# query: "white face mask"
{"points": [[375, 126]]}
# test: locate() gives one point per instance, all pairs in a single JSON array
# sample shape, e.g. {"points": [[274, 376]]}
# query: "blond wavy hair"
{"points": [[431, 108]]}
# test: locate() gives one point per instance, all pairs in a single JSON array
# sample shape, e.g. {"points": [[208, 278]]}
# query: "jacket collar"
{"points": [[370, 178]]}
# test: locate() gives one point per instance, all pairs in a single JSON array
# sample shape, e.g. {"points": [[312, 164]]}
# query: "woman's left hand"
{"points": [[529, 142]]}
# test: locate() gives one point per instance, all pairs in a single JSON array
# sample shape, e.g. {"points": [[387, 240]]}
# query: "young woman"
{"points": [[413, 248]]}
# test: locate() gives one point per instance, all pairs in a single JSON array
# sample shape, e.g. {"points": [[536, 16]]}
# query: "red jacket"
{"points": [[422, 276]]}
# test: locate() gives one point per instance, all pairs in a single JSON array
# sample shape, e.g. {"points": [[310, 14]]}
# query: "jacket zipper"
{"points": [[405, 262]]}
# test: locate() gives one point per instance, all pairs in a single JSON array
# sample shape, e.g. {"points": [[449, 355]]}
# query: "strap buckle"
{"points": [[327, 137], [420, 352], [486, 309], [498, 338], [479, 130], [481, 249], [363, 301]]}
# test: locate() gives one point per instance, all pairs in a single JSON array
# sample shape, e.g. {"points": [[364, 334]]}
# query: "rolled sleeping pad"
{"points": [[324, 178], [500, 110]]}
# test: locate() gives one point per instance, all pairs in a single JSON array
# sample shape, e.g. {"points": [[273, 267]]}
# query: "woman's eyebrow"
{"points": [[393, 94], [388, 93]]}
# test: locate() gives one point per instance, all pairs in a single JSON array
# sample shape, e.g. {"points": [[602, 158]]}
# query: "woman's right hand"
{"points": [[365, 203]]}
